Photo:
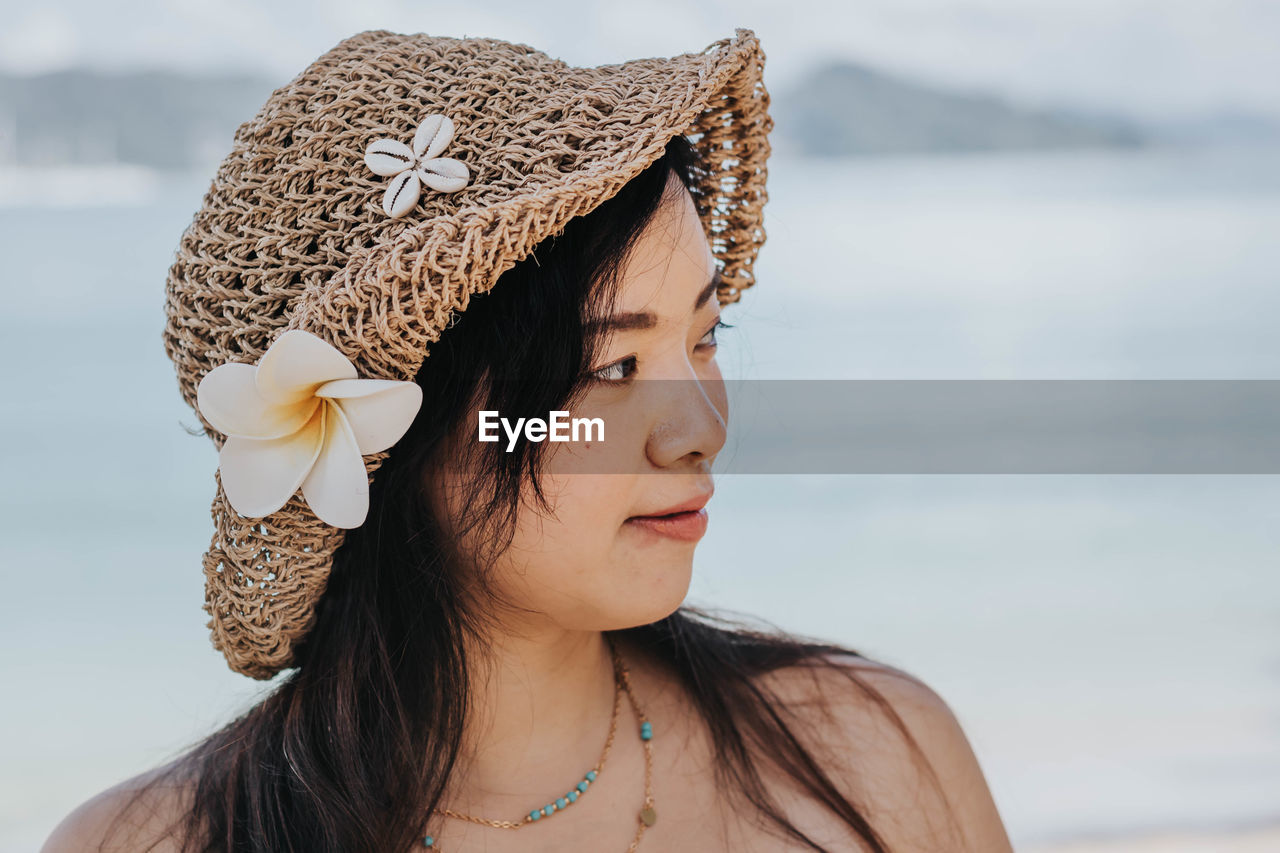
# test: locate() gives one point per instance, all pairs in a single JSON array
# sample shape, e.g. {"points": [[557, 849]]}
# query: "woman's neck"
{"points": [[541, 710]]}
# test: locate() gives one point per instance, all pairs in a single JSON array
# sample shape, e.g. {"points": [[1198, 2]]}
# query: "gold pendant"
{"points": [[648, 815]]}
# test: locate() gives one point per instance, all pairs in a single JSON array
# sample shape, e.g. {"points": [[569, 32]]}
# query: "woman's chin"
{"points": [[656, 590]]}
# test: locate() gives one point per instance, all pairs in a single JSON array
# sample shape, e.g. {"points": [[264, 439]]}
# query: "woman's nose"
{"points": [[689, 423]]}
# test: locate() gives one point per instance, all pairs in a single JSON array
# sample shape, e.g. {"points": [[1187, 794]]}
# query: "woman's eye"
{"points": [[709, 339], [619, 371]]}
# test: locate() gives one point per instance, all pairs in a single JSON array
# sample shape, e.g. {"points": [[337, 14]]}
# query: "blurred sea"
{"points": [[1111, 643]]}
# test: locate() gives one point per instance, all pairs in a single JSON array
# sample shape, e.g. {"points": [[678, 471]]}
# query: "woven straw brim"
{"points": [[291, 235]]}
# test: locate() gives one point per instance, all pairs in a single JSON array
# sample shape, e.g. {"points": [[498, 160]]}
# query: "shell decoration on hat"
{"points": [[300, 418], [410, 168]]}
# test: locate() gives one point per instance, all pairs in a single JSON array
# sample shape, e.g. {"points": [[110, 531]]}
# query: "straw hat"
{"points": [[358, 210]]}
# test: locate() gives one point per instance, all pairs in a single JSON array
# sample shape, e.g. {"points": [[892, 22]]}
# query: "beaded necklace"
{"points": [[647, 815]]}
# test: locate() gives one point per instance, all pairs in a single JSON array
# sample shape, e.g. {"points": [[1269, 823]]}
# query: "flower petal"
{"points": [[379, 411], [433, 136], [260, 475], [402, 194], [444, 174], [297, 364], [337, 489], [228, 398], [389, 157]]}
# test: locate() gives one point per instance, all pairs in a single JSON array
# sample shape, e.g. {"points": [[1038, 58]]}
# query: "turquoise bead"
{"points": [[428, 841], [582, 786], [646, 731], [549, 808], [591, 774], [561, 802], [535, 815], [573, 796]]}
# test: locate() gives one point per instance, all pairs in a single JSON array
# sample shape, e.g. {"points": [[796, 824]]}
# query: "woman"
{"points": [[485, 634]]}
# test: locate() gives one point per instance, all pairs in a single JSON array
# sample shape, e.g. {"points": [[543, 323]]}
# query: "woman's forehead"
{"points": [[671, 260]]}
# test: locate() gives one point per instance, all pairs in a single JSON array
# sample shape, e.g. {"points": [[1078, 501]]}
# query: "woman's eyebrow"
{"points": [[628, 321]]}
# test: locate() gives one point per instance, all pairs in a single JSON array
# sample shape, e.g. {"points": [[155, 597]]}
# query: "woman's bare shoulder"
{"points": [[134, 815], [891, 741]]}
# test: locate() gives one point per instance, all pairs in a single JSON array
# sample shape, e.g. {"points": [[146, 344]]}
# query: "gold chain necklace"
{"points": [[647, 815]]}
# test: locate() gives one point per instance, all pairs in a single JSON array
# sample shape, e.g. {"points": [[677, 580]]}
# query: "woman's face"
{"points": [[604, 558]]}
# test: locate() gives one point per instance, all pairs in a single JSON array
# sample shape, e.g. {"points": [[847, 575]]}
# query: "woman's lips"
{"points": [[686, 526]]}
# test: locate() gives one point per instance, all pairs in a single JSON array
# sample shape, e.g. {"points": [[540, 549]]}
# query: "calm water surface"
{"points": [[1111, 644]]}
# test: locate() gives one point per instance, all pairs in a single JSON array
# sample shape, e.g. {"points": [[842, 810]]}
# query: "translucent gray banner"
{"points": [[939, 426]]}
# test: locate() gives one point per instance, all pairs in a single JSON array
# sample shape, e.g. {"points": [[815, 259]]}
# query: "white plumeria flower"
{"points": [[301, 418], [413, 167]]}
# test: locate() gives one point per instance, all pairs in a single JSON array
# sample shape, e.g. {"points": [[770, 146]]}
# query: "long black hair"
{"points": [[352, 750]]}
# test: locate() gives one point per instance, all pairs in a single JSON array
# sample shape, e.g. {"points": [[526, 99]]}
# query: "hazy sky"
{"points": [[1150, 57]]}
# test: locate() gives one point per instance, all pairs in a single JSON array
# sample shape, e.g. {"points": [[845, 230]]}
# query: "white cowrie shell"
{"points": [[433, 136], [444, 174], [402, 194], [388, 157]]}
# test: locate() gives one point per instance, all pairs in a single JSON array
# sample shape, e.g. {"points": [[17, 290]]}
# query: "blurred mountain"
{"points": [[1222, 126], [843, 108], [162, 119], [170, 120]]}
